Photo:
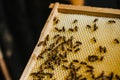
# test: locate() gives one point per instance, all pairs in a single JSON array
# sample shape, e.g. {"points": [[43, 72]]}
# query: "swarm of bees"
{"points": [[57, 54]]}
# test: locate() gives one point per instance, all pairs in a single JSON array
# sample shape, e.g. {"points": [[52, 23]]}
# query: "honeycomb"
{"points": [[79, 47]]}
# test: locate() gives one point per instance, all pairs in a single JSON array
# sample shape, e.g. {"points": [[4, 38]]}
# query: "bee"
{"points": [[52, 67], [100, 48], [75, 21], [62, 47], [43, 51], [40, 43], [57, 41], [63, 29], [44, 43], [78, 68], [116, 41], [88, 26], [69, 49], [64, 38], [56, 28], [78, 42], [84, 63], [104, 49], [65, 67], [71, 38], [83, 79], [72, 75], [46, 67], [75, 61], [89, 70], [95, 27], [95, 20], [40, 56], [93, 39], [101, 75], [47, 38], [49, 67], [53, 56], [60, 55], [65, 54], [78, 77], [57, 21], [59, 61], [34, 74], [101, 58], [71, 44], [76, 28], [47, 62], [50, 74], [56, 36], [111, 75], [92, 58], [111, 21], [64, 60], [55, 18], [77, 50], [75, 46], [70, 29], [91, 67], [51, 46], [68, 42], [93, 76], [59, 30], [117, 77], [71, 66]]}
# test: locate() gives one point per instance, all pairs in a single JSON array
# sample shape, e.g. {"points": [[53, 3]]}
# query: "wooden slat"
{"points": [[4, 67], [105, 12]]}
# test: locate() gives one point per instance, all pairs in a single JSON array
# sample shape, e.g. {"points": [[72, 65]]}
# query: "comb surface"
{"points": [[79, 47]]}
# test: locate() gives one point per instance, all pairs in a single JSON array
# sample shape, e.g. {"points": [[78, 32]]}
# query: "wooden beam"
{"points": [[95, 11], [4, 67]]}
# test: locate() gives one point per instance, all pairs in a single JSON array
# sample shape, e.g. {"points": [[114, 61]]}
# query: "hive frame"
{"points": [[105, 12]]}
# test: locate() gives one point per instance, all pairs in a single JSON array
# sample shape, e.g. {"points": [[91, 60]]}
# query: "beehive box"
{"points": [[77, 43]]}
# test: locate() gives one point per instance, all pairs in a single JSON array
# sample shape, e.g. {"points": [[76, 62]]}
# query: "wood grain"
{"points": [[95, 11]]}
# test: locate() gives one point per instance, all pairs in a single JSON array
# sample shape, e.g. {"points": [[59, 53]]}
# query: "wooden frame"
{"points": [[4, 67], [106, 12]]}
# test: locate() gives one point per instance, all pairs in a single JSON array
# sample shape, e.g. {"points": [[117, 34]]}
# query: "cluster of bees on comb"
{"points": [[56, 55]]}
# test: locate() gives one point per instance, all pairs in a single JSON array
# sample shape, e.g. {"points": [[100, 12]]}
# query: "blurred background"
{"points": [[21, 22]]}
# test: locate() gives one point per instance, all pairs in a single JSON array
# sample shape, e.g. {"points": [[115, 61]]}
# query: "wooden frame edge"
{"points": [[4, 67], [109, 12]]}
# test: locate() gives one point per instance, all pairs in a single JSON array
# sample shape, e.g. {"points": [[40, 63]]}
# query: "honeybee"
{"points": [[95, 20], [75, 61], [93, 39], [111, 21], [77, 50], [75, 21], [88, 26], [116, 41], [95, 27]]}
